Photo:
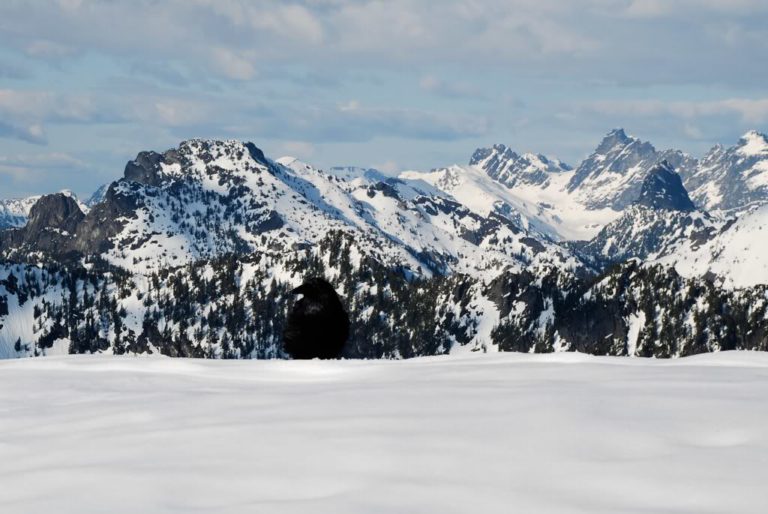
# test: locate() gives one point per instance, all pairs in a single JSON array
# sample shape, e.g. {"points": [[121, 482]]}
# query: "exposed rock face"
{"points": [[206, 240], [107, 218], [146, 168], [511, 169], [613, 175], [663, 189], [660, 219], [51, 227]]}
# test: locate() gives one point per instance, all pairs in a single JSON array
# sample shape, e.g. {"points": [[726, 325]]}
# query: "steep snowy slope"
{"points": [[209, 198], [614, 173], [14, 212], [97, 196], [732, 178], [434, 225], [546, 208], [506, 166], [736, 257], [659, 220]]}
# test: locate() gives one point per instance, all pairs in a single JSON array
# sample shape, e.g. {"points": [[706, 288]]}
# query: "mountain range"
{"points": [[192, 252]]}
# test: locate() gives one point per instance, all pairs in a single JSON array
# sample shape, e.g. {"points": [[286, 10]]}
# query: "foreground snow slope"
{"points": [[480, 433]]}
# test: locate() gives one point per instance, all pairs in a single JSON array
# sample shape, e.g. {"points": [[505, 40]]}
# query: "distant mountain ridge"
{"points": [[194, 250], [14, 212], [733, 178]]}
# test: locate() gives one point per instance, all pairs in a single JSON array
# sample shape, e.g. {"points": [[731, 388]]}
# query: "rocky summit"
{"points": [[194, 250]]}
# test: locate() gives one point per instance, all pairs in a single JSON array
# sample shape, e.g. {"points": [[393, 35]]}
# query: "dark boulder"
{"points": [[318, 325]]}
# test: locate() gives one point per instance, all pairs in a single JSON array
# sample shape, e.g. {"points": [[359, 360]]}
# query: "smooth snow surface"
{"points": [[473, 434]]}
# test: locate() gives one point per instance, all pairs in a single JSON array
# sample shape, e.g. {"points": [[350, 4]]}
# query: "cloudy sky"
{"points": [[396, 84]]}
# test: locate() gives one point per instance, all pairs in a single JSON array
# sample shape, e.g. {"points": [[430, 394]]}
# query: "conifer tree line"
{"points": [[235, 306]]}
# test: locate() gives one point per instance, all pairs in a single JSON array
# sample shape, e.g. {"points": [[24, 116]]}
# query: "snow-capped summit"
{"points": [[734, 178], [209, 198], [14, 212], [613, 174], [663, 189], [509, 168], [613, 139], [97, 196], [753, 144], [211, 235]]}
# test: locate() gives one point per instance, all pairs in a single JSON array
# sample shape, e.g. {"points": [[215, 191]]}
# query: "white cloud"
{"points": [[659, 8], [232, 65], [748, 110]]}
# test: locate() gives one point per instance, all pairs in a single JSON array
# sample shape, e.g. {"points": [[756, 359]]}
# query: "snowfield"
{"points": [[468, 434]]}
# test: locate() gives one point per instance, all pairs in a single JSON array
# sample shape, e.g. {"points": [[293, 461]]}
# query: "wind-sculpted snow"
{"points": [[491, 434]]}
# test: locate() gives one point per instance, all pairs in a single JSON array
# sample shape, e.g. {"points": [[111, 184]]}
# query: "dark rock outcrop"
{"points": [[663, 189]]}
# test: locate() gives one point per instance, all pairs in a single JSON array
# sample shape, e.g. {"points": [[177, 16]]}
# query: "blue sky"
{"points": [[396, 84]]}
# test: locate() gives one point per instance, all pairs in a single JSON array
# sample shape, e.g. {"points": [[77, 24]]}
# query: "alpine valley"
{"points": [[193, 252]]}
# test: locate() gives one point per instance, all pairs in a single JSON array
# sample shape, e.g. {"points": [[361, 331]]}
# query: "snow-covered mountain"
{"points": [[613, 174], [736, 256], [507, 167], [546, 208], [576, 204], [208, 198], [732, 179], [14, 212], [97, 196], [194, 250], [659, 220]]}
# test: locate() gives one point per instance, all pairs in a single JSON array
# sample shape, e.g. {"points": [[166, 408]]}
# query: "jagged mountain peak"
{"points": [[753, 144], [663, 189], [97, 196], [512, 168], [55, 211], [612, 176], [195, 157], [733, 178], [614, 138]]}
